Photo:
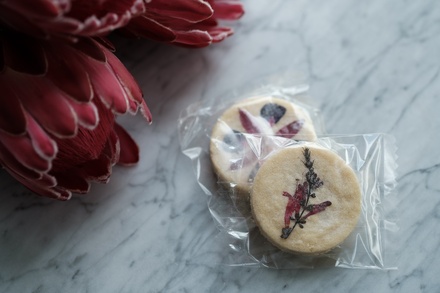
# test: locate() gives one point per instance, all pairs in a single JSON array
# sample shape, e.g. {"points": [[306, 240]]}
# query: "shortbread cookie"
{"points": [[236, 157], [305, 199]]}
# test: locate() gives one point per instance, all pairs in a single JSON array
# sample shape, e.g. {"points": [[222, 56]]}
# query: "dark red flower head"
{"points": [[57, 108], [61, 86]]}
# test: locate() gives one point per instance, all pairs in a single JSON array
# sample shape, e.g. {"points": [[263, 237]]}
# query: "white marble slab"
{"points": [[373, 67]]}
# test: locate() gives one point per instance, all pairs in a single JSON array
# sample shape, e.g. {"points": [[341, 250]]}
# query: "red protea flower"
{"points": [[57, 106], [45, 18], [61, 86], [189, 23]]}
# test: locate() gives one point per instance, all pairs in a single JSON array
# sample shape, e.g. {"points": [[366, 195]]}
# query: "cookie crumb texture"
{"points": [[234, 161], [327, 208]]}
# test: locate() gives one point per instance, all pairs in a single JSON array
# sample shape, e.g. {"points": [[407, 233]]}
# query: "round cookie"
{"points": [[232, 156], [305, 199]]}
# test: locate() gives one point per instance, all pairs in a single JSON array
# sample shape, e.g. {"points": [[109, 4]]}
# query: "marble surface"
{"points": [[373, 67]]}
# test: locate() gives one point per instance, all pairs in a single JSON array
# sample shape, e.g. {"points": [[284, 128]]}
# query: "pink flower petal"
{"points": [[193, 38], [218, 34], [145, 111], [133, 106], [47, 181], [189, 10], [129, 149], [125, 78], [54, 192], [129, 84], [210, 25], [12, 164], [105, 84], [44, 146], [46, 104], [22, 149], [228, 10], [87, 114]]}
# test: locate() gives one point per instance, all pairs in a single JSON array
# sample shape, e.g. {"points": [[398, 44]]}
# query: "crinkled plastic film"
{"points": [[372, 157]]}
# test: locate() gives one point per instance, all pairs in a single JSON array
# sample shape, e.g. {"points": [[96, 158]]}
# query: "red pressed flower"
{"points": [[57, 108], [295, 202], [68, 17], [316, 208], [188, 23]]}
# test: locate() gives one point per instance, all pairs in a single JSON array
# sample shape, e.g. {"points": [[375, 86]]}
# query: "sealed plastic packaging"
{"points": [[282, 193]]}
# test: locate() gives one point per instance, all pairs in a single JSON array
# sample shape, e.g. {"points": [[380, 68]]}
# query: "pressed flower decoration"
{"points": [[298, 203], [271, 113], [61, 85]]}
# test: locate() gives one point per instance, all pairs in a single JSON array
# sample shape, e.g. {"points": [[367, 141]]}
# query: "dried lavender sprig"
{"points": [[314, 182]]}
